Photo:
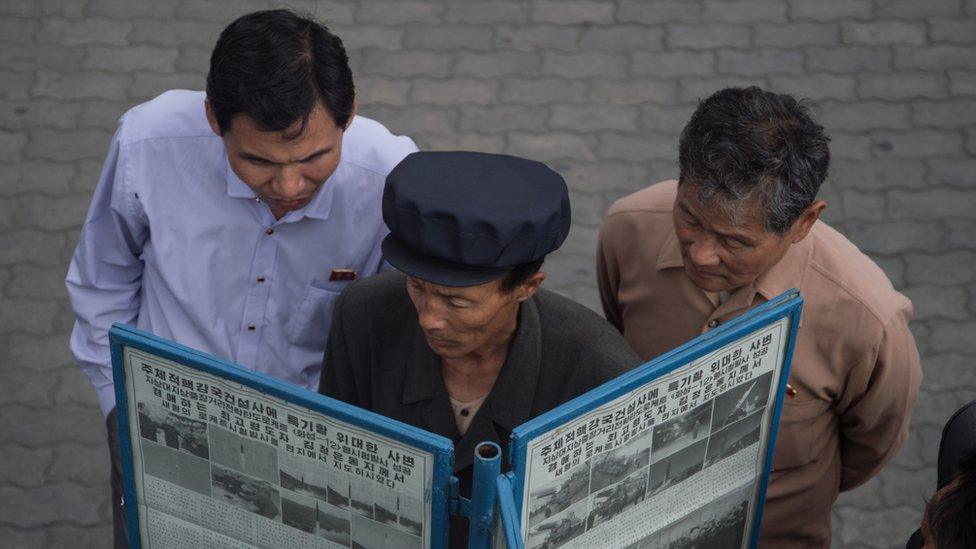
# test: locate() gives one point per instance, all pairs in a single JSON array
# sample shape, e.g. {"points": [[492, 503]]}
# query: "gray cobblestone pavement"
{"points": [[599, 89]]}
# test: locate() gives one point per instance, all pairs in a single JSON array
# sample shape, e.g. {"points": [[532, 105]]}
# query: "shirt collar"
{"points": [[318, 208]]}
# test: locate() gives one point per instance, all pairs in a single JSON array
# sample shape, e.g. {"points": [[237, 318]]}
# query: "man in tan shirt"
{"points": [[740, 227]]}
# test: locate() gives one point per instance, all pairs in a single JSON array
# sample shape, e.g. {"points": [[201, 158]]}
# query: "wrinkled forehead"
{"points": [[479, 292], [744, 213]]}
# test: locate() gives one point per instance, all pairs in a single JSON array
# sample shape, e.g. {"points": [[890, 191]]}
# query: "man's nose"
{"points": [[703, 252], [290, 183], [430, 319]]}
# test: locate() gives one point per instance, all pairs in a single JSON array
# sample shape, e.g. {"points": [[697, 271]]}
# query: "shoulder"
{"points": [[173, 114], [577, 333], [657, 198], [364, 297], [857, 286], [369, 146]]}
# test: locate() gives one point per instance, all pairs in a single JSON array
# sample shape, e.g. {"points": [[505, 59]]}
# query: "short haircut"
{"points": [[519, 274], [952, 515], [746, 143], [274, 66]]}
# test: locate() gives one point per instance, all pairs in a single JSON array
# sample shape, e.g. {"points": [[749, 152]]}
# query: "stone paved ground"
{"points": [[599, 89]]}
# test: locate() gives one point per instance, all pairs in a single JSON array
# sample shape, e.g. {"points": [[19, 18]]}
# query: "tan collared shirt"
{"points": [[855, 367]]}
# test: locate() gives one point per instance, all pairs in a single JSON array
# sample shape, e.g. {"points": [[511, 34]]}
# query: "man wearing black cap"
{"points": [[463, 342]]}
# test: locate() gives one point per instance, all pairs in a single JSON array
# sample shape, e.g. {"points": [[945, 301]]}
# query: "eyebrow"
{"points": [[737, 236], [252, 156]]}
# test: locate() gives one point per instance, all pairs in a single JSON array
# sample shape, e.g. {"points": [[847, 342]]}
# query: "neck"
{"points": [[473, 375]]}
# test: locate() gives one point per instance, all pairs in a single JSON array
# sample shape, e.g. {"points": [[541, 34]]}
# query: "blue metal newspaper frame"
{"points": [[441, 448], [788, 304]]}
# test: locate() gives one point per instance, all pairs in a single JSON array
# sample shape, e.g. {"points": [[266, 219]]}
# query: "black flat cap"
{"points": [[466, 218]]}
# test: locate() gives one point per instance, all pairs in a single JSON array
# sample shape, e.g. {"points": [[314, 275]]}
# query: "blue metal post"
{"points": [[509, 514], [487, 465]]}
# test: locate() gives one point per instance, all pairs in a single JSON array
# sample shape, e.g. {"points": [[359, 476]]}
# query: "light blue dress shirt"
{"points": [[176, 244]]}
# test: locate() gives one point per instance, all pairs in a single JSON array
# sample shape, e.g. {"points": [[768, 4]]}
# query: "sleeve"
{"points": [[105, 275], [608, 274], [878, 400], [337, 379]]}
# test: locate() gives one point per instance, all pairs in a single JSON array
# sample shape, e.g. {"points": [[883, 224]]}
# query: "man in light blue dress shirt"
{"points": [[231, 220]]}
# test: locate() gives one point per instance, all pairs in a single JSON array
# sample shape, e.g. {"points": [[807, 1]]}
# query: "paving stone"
{"points": [[147, 85], [487, 12], [395, 12], [493, 65], [85, 464], [564, 269], [219, 10], [81, 85], [27, 316], [27, 246], [934, 410], [878, 176], [50, 503], [131, 9], [902, 85], [943, 372], [413, 119], [19, 8], [634, 91], [67, 535], [954, 113], [621, 38], [21, 385], [584, 65], [848, 59], [74, 32], [470, 141], [912, 487], [16, 85], [962, 82], [550, 146], [24, 467], [638, 148], [943, 55], [895, 237], [658, 11], [938, 302], [503, 118], [830, 10], [18, 30], [671, 64], [73, 386], [131, 58], [792, 35], [534, 38], [879, 33], [961, 233], [571, 12], [933, 203], [41, 427], [957, 30], [865, 496], [815, 86], [884, 528], [744, 11], [28, 57], [707, 37], [946, 269], [176, 33], [971, 141], [447, 37], [907, 9], [916, 144], [454, 91], [850, 145], [104, 115], [33, 282], [864, 115], [21, 115], [601, 176], [949, 336], [542, 91], [23, 539], [594, 117], [659, 118], [67, 145]]}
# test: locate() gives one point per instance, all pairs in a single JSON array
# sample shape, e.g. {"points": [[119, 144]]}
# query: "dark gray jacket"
{"points": [[377, 358]]}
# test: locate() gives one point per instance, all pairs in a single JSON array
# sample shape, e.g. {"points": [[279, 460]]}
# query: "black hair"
{"points": [[275, 66], [519, 274], [952, 515], [745, 143]]}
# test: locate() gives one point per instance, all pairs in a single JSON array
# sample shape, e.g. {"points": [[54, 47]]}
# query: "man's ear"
{"points": [[211, 117], [528, 288], [801, 227]]}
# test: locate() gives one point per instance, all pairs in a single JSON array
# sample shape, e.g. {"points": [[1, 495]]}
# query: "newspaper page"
{"points": [[674, 463], [219, 464]]}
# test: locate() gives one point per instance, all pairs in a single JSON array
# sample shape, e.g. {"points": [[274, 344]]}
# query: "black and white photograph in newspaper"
{"points": [[558, 529], [361, 492], [559, 494], [741, 401], [678, 432], [315, 517], [675, 468], [398, 511], [334, 524], [719, 525], [243, 454], [173, 430], [340, 490], [610, 467], [611, 501], [303, 475], [180, 468], [734, 438], [248, 493], [369, 534]]}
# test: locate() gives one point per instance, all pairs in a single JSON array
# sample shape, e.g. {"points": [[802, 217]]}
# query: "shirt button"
{"points": [[465, 412], [250, 327], [269, 231], [260, 279], [713, 323]]}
